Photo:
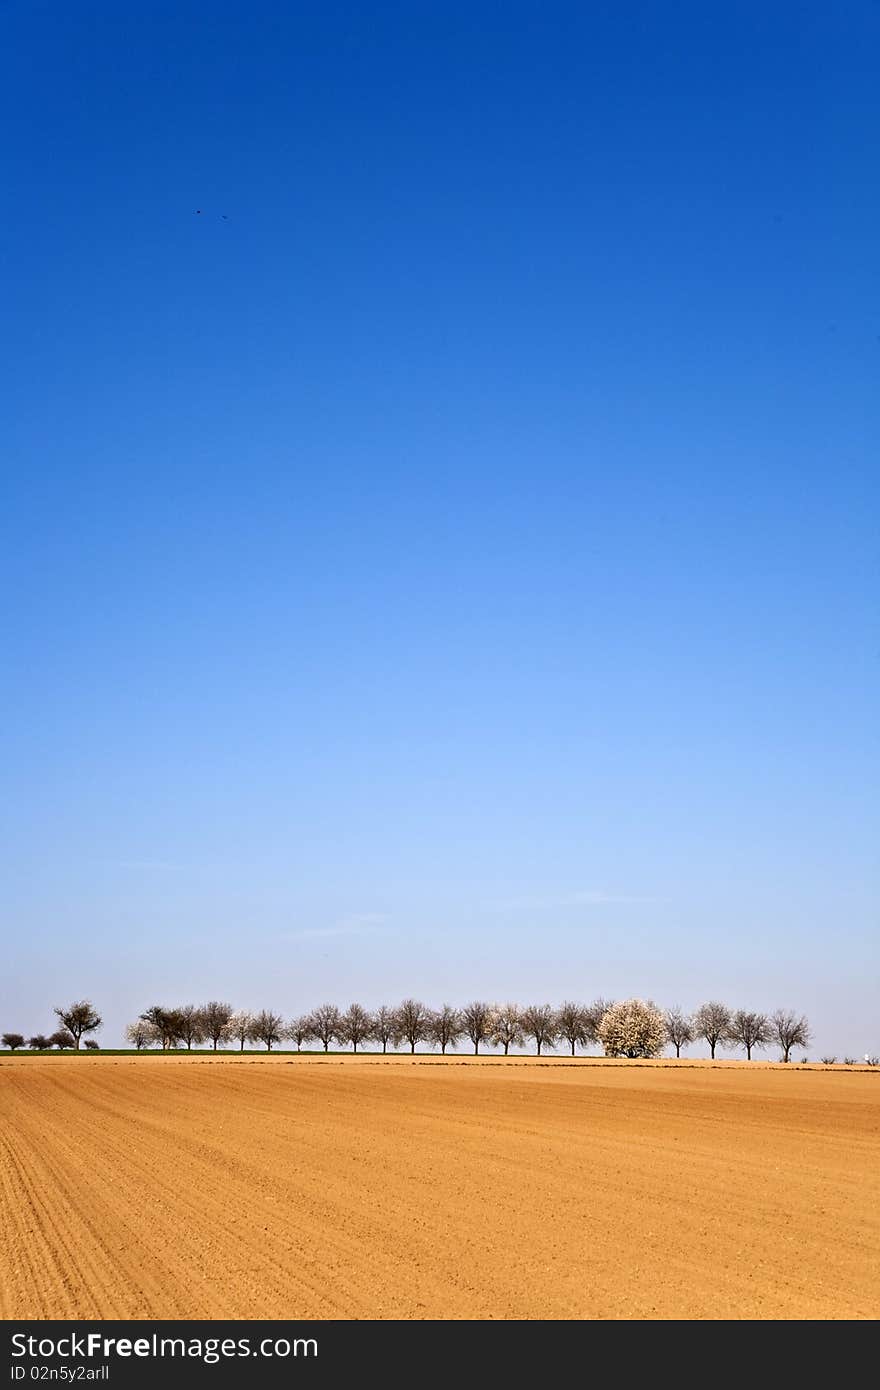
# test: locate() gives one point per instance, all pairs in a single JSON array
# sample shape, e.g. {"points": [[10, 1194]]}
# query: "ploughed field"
{"points": [[256, 1187]]}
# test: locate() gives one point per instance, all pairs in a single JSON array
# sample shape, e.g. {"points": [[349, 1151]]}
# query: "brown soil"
{"points": [[418, 1188]]}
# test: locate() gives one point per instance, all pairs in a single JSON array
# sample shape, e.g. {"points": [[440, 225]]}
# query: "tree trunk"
{"points": [[412, 1047], [678, 1049], [476, 1047], [748, 1052], [538, 1053], [443, 1049], [384, 1045], [712, 1048], [506, 1046]]}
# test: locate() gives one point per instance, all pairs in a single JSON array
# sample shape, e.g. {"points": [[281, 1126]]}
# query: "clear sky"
{"points": [[447, 564]]}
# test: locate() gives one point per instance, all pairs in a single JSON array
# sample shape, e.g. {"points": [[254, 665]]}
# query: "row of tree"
{"points": [[76, 1020], [631, 1028], [45, 1042]]}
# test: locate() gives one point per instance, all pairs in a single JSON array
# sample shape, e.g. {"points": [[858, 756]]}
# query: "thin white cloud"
{"points": [[146, 864], [592, 897], [585, 897], [354, 924]]}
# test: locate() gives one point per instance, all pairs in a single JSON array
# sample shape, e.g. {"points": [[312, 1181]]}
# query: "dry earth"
{"points": [[263, 1187]]}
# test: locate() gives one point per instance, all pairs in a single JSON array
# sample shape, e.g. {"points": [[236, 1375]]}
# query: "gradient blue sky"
{"points": [[456, 572]]}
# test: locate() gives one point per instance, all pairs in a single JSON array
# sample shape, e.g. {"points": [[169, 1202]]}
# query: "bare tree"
{"points": [[573, 1025], [594, 1013], [268, 1028], [13, 1041], [241, 1027], [79, 1018], [789, 1030], [507, 1026], [445, 1027], [539, 1022], [326, 1023], [412, 1022], [355, 1026], [153, 1018], [165, 1024], [749, 1030], [384, 1028], [39, 1042], [62, 1040], [215, 1021], [140, 1034], [190, 1024], [476, 1022], [300, 1030], [679, 1029], [712, 1022], [174, 1025]]}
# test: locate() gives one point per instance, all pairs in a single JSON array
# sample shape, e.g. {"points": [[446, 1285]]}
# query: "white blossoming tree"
{"points": [[632, 1028]]}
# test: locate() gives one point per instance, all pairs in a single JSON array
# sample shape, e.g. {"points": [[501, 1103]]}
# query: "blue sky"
{"points": [[448, 564]]}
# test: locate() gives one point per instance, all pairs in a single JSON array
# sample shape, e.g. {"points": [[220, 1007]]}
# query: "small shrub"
{"points": [[828, 1061], [849, 1061], [872, 1061], [91, 1046]]}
